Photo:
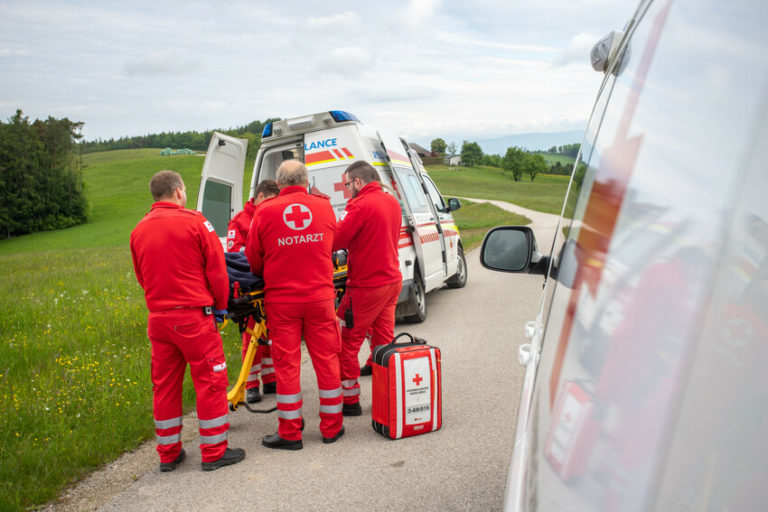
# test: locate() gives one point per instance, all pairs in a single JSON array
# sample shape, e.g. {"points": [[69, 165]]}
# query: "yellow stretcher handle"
{"points": [[236, 395]]}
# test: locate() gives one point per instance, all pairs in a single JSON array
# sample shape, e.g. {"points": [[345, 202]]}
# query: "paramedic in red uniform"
{"points": [[237, 232], [179, 263], [370, 231], [289, 244]]}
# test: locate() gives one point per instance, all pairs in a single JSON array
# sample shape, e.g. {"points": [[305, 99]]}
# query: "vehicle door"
{"points": [[221, 184], [448, 227]]}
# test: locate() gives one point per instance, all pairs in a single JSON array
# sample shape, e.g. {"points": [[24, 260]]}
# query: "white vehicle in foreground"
{"points": [[430, 251], [646, 384]]}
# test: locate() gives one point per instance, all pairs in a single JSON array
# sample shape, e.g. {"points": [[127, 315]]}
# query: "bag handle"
{"points": [[415, 340]]}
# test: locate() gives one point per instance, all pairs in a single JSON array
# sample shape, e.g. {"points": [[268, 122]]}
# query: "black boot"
{"points": [[231, 456], [275, 441], [252, 396]]}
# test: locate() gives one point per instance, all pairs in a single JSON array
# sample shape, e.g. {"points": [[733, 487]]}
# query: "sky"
{"points": [[423, 68]]}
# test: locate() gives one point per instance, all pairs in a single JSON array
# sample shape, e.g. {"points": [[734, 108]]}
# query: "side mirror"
{"points": [[453, 204], [512, 249], [605, 50]]}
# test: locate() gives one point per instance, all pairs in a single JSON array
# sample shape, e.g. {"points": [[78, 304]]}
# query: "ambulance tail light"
{"points": [[267, 131], [340, 116]]}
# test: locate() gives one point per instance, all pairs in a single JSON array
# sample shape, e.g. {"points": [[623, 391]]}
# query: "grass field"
{"points": [[544, 194], [74, 376]]}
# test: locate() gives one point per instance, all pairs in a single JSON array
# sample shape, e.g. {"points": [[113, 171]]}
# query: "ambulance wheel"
{"points": [[418, 300], [459, 279]]}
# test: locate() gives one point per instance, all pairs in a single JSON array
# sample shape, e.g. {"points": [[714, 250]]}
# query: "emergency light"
{"points": [[340, 116], [267, 131]]}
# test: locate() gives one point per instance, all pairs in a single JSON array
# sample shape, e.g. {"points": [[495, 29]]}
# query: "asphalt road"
{"points": [[463, 466]]}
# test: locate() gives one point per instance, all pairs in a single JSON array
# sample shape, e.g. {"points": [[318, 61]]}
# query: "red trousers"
{"points": [[181, 336], [262, 361], [373, 309], [316, 322]]}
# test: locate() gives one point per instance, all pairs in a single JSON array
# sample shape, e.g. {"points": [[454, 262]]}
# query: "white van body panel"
{"points": [[221, 184], [645, 386]]}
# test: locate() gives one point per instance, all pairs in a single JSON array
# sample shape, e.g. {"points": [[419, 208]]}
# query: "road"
{"points": [[463, 466]]}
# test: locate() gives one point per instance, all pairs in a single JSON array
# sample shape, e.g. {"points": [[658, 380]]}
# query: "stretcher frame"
{"points": [[243, 307]]}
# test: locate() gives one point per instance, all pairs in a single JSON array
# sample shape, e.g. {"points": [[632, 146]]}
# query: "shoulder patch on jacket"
{"points": [[208, 225]]}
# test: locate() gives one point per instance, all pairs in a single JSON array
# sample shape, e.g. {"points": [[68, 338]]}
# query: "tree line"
{"points": [[41, 183], [516, 162], [197, 141]]}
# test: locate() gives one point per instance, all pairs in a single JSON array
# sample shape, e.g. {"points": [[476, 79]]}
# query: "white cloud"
{"points": [[577, 51], [419, 12], [161, 64]]}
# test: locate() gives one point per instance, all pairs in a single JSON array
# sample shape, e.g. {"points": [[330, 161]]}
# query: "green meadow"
{"points": [[544, 194], [74, 370]]}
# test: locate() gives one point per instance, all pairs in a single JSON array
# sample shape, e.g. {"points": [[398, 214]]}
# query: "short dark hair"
{"points": [[164, 183], [267, 187], [363, 170]]}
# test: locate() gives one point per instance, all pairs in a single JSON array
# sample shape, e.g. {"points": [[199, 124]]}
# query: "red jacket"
{"points": [[289, 245], [237, 229], [370, 231], [178, 259]]}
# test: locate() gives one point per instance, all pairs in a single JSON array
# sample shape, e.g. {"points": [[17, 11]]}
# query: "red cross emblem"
{"points": [[340, 187], [295, 216], [417, 379]]}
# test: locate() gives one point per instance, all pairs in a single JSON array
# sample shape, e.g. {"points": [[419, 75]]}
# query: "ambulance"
{"points": [[646, 382], [430, 249]]}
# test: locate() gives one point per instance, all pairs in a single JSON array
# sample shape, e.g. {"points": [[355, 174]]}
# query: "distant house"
{"points": [[453, 160], [421, 151]]}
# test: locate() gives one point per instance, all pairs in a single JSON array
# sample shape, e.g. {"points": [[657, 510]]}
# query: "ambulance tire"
{"points": [[459, 279], [418, 300]]}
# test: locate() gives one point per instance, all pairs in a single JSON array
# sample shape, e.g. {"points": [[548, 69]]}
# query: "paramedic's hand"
{"points": [[220, 315]]}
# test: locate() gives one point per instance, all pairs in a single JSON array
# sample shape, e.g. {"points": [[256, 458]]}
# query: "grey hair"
{"points": [[292, 172]]}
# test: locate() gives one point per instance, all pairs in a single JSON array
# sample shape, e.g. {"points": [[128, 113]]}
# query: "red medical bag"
{"points": [[406, 388]]}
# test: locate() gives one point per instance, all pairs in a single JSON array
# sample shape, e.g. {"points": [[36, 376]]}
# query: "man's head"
{"points": [[290, 173], [168, 186], [358, 175], [265, 190]]}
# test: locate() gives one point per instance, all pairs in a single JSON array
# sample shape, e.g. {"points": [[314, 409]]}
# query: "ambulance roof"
{"points": [[309, 123]]}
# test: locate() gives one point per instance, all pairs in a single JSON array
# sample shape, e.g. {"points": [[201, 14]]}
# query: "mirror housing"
{"points": [[453, 204], [512, 249], [604, 51]]}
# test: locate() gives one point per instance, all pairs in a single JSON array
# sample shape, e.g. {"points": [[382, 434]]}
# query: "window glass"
{"points": [[217, 205], [412, 189], [434, 195]]}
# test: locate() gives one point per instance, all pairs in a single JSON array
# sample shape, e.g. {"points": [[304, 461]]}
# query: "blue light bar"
{"points": [[267, 131], [340, 116]]}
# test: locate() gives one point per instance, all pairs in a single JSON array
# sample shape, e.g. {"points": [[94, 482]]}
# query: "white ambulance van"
{"points": [[646, 383], [430, 250]]}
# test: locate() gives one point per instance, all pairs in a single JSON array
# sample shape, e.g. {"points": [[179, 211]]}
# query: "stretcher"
{"points": [[246, 301]]}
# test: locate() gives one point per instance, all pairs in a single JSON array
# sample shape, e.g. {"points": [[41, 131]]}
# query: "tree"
{"points": [[533, 164], [492, 160], [41, 186], [471, 153], [438, 146], [513, 162], [451, 149]]}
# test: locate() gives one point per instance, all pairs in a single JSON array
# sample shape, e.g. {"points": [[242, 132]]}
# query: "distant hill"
{"points": [[529, 141]]}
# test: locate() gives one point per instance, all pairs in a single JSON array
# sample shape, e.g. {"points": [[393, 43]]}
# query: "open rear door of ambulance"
{"points": [[221, 184]]}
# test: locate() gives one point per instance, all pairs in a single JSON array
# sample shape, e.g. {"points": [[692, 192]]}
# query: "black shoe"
{"points": [[231, 456], [269, 388], [329, 440], [170, 466], [366, 370], [252, 396], [275, 441], [351, 410]]}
